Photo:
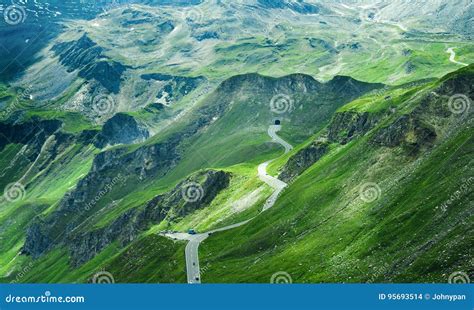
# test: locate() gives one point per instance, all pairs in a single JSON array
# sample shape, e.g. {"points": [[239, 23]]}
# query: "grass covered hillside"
{"points": [[128, 178], [392, 205]]}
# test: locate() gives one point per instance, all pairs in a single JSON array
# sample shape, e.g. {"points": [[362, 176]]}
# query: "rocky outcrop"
{"points": [[193, 194], [347, 126], [206, 35], [53, 146], [88, 58], [33, 134], [107, 73], [352, 45], [320, 43], [350, 87], [77, 54], [38, 241], [173, 88], [42, 142], [409, 67], [133, 17], [406, 130], [297, 6], [121, 129], [302, 160], [23, 132], [418, 129]]}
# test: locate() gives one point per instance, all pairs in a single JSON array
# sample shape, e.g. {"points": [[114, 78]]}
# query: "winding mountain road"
{"points": [[274, 183], [193, 269], [452, 57]]}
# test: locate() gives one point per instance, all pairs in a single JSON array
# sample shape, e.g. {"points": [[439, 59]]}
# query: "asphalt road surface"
{"points": [[452, 57]]}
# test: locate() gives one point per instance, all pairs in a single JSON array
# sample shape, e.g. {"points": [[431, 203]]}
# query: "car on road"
{"points": [[192, 232]]}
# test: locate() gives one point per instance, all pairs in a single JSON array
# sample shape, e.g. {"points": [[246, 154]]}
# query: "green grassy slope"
{"points": [[42, 194], [237, 142], [321, 230], [237, 136], [150, 259], [320, 219]]}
